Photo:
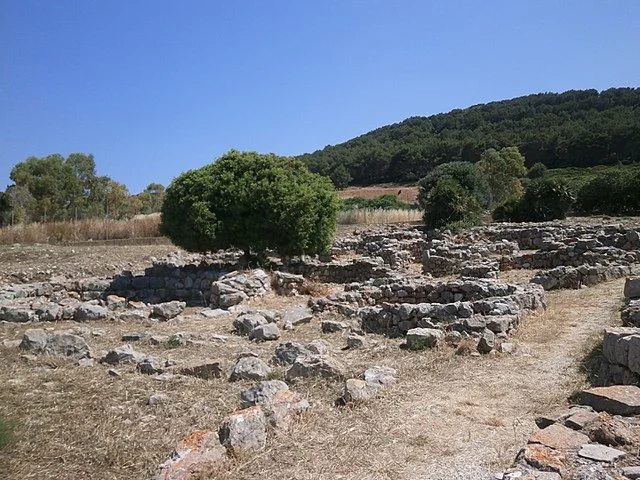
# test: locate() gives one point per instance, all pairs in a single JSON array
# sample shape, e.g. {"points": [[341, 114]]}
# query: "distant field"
{"points": [[404, 194]]}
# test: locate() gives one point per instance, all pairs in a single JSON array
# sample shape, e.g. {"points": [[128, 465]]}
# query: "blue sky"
{"points": [[156, 87]]}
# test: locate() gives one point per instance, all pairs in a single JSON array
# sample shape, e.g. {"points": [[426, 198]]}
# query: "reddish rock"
{"points": [[544, 458], [611, 431], [616, 400], [197, 456], [581, 419], [284, 408], [559, 437]]}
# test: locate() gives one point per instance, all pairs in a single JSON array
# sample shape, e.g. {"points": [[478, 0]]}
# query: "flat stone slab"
{"points": [[559, 437], [579, 420], [600, 453], [616, 400]]}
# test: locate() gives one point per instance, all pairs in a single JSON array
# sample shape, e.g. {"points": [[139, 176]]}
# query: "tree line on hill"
{"points": [[56, 188], [578, 128]]}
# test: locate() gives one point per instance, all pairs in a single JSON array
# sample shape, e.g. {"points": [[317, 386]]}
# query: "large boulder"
{"points": [[61, 343], [269, 331], [246, 322], [261, 393]]}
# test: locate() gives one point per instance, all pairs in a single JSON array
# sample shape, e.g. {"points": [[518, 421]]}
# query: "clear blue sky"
{"points": [[155, 87]]}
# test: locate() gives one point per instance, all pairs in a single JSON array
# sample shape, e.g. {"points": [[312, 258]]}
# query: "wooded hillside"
{"points": [[578, 128]]}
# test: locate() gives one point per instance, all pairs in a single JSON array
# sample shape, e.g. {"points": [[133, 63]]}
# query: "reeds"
{"points": [[144, 226], [378, 216]]}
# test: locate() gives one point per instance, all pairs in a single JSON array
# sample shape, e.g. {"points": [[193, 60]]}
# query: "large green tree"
{"points": [[252, 202]]}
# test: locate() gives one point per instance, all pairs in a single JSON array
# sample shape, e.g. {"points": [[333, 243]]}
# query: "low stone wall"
{"points": [[383, 241], [465, 306], [584, 275], [621, 350], [357, 270], [630, 314]]}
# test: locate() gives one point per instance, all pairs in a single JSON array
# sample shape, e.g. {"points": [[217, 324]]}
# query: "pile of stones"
{"points": [[598, 439]]}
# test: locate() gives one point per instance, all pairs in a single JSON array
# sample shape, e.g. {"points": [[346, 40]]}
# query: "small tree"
{"points": [[450, 203], [543, 200], [502, 169], [466, 174], [537, 170], [252, 202]]}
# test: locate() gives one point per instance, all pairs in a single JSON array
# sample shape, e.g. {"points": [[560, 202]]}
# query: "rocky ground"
{"points": [[448, 416]]}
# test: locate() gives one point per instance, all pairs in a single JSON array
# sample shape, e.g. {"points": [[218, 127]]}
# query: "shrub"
{"points": [[449, 202], [543, 200], [612, 193], [252, 202], [537, 170], [465, 174]]}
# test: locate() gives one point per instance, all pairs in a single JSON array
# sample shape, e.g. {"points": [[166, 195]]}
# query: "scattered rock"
{"points": [[382, 376], [168, 310], [581, 419], [616, 400], [205, 369], [198, 456], [215, 314], [356, 341], [356, 390], [600, 453], [558, 437], [307, 366], [133, 336], [149, 366], [420, 338], [121, 355], [633, 473], [270, 331], [632, 287], [261, 393], [297, 316], [244, 430], [332, 326], [61, 343], [90, 311], [249, 368], [487, 342], [245, 323], [114, 373], [157, 399], [544, 458]]}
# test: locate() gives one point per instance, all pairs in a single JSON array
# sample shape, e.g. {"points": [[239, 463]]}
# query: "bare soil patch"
{"points": [[448, 416]]}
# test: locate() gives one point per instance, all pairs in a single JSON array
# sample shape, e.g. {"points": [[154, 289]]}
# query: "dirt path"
{"points": [[451, 418]]}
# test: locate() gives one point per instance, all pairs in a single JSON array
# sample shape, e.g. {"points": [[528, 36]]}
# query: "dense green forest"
{"points": [[578, 128]]}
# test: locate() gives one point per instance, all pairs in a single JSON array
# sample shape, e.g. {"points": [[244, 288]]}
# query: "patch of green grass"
{"points": [[7, 432]]}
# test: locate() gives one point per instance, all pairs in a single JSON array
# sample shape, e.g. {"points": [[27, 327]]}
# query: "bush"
{"points": [[612, 193], [543, 200], [537, 170], [252, 202], [383, 202], [448, 203], [465, 174]]}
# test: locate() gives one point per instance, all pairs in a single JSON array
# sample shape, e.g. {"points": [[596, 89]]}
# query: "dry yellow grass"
{"points": [[82, 230], [404, 194], [378, 216], [447, 416]]}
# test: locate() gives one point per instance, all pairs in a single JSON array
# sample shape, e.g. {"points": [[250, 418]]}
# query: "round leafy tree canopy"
{"points": [[252, 202]]}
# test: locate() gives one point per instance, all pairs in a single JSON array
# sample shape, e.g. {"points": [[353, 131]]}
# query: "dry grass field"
{"points": [[448, 417], [404, 194]]}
